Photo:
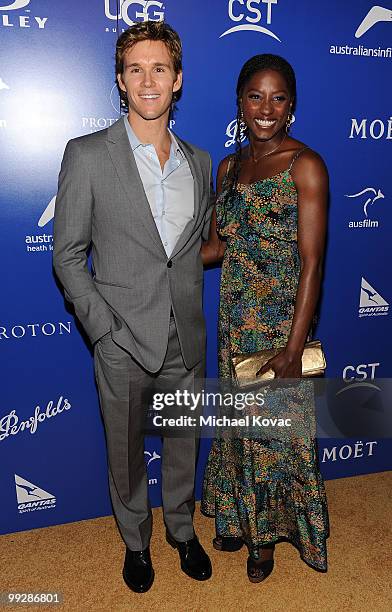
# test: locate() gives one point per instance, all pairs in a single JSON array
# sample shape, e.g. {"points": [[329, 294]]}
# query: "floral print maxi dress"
{"points": [[264, 489]]}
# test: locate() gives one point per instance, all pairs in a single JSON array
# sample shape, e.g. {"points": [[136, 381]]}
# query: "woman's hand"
{"points": [[285, 364]]}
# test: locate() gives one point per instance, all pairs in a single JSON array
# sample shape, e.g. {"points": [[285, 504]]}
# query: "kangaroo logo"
{"points": [[154, 455], [370, 199], [375, 15]]}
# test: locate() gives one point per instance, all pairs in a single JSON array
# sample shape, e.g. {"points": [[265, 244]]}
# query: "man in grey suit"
{"points": [[141, 198]]}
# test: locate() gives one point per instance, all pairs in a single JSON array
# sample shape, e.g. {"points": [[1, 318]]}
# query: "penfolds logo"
{"points": [[11, 424]]}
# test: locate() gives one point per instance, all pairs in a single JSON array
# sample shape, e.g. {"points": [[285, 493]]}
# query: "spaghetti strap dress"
{"points": [[264, 489]]}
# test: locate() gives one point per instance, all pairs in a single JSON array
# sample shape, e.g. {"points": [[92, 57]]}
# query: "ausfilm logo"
{"points": [[34, 330], [30, 497], [248, 15], [371, 303], [132, 11], [12, 17], [376, 15], [150, 458], [366, 199]]}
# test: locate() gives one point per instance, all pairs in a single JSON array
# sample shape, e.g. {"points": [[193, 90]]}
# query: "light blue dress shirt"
{"points": [[169, 191]]}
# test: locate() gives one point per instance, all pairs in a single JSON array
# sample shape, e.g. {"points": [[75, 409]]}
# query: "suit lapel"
{"points": [[128, 174]]}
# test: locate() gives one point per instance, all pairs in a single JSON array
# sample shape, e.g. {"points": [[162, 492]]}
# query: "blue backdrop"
{"points": [[57, 82]]}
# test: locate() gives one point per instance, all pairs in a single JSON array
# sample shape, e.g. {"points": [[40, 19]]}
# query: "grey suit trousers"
{"points": [[121, 383]]}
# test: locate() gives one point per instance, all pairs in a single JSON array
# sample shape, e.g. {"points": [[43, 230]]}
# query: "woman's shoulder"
{"points": [[303, 154], [306, 164], [226, 163]]}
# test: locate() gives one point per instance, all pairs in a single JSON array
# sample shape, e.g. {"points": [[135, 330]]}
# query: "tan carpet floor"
{"points": [[83, 561]]}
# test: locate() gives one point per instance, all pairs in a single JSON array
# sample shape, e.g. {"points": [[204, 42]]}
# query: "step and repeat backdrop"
{"points": [[56, 83]]}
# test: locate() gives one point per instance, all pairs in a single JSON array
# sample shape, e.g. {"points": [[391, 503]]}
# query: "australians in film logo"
{"points": [[17, 14], [251, 16], [11, 425], [371, 303], [367, 201], [132, 11], [31, 497], [375, 15]]}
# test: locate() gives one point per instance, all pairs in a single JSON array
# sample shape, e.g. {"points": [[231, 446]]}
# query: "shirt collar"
{"points": [[135, 142]]}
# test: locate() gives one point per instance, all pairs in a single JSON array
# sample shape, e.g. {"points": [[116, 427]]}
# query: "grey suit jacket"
{"points": [[133, 285]]}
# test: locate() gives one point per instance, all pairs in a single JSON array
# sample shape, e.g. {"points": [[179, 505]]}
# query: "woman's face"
{"points": [[266, 104]]}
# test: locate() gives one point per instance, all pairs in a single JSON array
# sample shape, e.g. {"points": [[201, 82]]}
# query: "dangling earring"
{"points": [[289, 121]]}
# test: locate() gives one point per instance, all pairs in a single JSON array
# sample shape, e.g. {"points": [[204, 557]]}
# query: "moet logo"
{"points": [[141, 10], [376, 129], [21, 21], [250, 13]]}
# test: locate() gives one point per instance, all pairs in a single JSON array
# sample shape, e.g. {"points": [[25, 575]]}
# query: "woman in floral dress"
{"points": [[269, 228]]}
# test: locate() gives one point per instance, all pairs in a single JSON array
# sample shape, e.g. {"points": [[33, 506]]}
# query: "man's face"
{"points": [[149, 79]]}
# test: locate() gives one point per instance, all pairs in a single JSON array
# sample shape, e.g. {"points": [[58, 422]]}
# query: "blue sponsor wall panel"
{"points": [[57, 82]]}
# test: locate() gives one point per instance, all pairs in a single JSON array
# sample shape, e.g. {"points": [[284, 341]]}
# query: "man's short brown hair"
{"points": [[148, 30]]}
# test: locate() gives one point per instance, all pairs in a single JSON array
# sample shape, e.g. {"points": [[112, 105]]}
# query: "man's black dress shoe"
{"points": [[194, 560], [138, 572]]}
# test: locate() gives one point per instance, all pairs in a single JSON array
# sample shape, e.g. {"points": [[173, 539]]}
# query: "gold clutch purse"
{"points": [[245, 367]]}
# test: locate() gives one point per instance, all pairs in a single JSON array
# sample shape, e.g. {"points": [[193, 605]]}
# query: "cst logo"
{"points": [[247, 15], [362, 371], [132, 11]]}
